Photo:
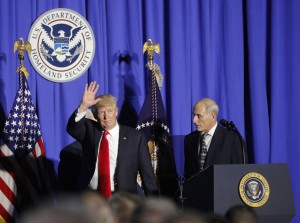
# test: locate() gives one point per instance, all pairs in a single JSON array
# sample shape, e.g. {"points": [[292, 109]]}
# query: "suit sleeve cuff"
{"points": [[80, 115]]}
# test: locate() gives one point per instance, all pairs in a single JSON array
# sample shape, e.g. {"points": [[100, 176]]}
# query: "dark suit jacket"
{"points": [[133, 156], [225, 148]]}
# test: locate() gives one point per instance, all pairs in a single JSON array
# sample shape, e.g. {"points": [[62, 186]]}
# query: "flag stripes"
{"points": [[22, 156], [8, 189]]}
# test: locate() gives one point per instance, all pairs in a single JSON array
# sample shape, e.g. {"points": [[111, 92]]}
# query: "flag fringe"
{"points": [[157, 72]]}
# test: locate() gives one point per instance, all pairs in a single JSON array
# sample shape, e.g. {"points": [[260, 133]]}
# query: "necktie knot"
{"points": [[105, 133], [204, 137]]}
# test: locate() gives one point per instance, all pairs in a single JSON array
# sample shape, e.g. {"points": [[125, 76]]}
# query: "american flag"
{"points": [[153, 122], [22, 143]]}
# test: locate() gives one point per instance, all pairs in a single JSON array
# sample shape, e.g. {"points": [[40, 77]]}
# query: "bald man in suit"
{"points": [[222, 146], [128, 151]]}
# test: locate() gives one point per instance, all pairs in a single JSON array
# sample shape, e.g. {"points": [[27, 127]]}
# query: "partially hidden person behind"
{"points": [[211, 143], [112, 154]]}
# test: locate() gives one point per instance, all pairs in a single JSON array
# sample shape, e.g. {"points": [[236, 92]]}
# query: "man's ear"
{"points": [[213, 117]]}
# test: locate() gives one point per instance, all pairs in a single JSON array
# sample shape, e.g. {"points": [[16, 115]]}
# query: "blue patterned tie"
{"points": [[203, 152]]}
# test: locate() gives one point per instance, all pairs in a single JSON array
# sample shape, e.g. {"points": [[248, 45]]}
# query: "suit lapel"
{"points": [[121, 146], [213, 148], [194, 145], [98, 135], [122, 142]]}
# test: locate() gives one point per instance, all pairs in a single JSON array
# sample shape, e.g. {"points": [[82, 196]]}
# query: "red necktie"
{"points": [[103, 167]]}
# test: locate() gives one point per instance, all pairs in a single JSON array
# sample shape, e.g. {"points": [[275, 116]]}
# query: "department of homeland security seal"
{"points": [[254, 189], [63, 45]]}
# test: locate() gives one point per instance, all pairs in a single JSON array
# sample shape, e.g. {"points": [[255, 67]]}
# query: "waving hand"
{"points": [[89, 96]]}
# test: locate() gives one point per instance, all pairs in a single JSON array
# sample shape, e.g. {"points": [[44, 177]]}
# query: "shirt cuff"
{"points": [[80, 115]]}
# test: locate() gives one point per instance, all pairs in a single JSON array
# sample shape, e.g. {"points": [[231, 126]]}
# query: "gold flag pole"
{"points": [[156, 75], [151, 46], [22, 46]]}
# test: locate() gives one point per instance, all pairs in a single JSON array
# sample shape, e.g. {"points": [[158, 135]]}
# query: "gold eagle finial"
{"points": [[151, 46], [22, 46]]}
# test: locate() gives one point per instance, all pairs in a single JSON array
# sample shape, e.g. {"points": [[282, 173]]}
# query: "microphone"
{"points": [[224, 123], [228, 125], [231, 127], [180, 198]]}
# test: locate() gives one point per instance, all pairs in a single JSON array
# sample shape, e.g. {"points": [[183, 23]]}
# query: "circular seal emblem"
{"points": [[254, 189], [63, 45]]}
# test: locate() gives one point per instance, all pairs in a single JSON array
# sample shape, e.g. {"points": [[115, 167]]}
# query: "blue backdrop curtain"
{"points": [[243, 54]]}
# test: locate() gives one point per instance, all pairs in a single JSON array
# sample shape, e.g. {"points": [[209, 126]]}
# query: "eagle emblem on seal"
{"points": [[62, 43]]}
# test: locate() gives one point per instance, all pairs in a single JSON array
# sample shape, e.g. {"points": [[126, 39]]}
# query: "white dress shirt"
{"points": [[113, 142], [209, 136]]}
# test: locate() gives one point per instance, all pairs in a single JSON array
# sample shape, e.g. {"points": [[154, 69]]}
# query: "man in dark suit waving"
{"points": [[112, 154], [211, 143]]}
